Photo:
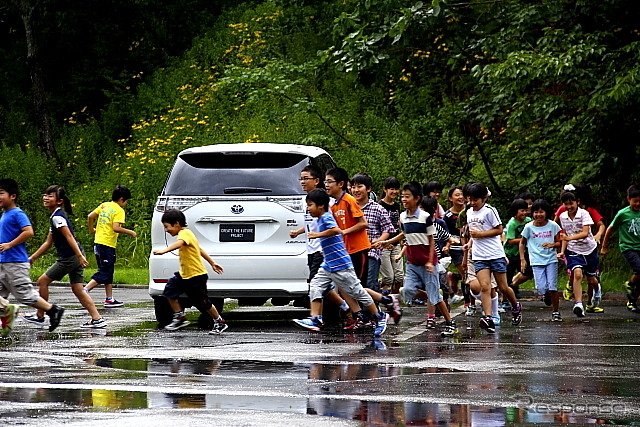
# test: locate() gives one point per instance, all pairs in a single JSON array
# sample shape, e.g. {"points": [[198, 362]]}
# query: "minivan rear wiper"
{"points": [[241, 190]]}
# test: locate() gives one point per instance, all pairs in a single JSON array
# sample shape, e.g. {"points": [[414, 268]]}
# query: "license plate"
{"points": [[237, 232]]}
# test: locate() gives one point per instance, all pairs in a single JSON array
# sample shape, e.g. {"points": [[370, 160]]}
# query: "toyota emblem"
{"points": [[237, 209]]}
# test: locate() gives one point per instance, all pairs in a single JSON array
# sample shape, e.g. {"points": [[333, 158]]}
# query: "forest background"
{"points": [[521, 95]]}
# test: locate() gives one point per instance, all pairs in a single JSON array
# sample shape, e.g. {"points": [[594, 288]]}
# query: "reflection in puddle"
{"points": [[371, 413], [345, 391]]}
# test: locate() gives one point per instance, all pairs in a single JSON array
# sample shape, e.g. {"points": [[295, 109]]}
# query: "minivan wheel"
{"points": [[163, 311], [246, 302]]}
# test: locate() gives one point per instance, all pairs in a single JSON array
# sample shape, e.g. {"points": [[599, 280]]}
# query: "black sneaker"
{"points": [[55, 315], [449, 329], [487, 324], [177, 323], [517, 314], [33, 318], [219, 327]]}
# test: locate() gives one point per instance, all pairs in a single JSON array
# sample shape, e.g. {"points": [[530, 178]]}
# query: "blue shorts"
{"points": [[633, 259], [457, 256], [546, 277], [588, 263], [106, 259], [417, 277], [498, 265]]}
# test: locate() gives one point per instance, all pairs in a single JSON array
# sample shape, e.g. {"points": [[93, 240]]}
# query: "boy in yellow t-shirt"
{"points": [[192, 277], [106, 223]]}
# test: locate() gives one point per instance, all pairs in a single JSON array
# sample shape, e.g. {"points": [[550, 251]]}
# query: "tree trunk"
{"points": [[40, 106]]}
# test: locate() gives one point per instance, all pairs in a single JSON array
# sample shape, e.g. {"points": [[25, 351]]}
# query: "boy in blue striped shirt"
{"points": [[337, 268]]}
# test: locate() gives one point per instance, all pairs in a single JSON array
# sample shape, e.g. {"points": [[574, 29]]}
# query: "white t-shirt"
{"points": [[574, 226], [485, 219]]}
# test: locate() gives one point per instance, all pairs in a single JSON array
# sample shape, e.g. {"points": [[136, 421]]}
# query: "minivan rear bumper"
{"points": [[263, 279]]}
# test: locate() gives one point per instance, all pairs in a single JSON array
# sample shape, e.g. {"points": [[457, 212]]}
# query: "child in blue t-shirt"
{"points": [[71, 260], [541, 238], [336, 269], [15, 230]]}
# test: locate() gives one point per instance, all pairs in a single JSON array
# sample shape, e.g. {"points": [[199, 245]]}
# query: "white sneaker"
{"points": [[578, 309]]}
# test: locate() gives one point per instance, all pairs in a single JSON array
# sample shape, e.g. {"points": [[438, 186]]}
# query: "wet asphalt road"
{"points": [[265, 371]]}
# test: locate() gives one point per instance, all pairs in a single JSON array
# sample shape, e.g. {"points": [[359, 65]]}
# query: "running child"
{"points": [[520, 217], [192, 277], [456, 198], [485, 229], [417, 228], [580, 249], [541, 238], [336, 269], [109, 217], [15, 230], [627, 222], [391, 272], [71, 260]]}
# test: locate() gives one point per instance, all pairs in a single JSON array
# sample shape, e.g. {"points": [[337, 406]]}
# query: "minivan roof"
{"points": [[260, 147]]}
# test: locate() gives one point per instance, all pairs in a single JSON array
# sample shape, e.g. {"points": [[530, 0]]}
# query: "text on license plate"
{"points": [[237, 232]]}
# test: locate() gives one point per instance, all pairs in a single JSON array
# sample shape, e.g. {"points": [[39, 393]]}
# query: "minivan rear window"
{"points": [[237, 173]]}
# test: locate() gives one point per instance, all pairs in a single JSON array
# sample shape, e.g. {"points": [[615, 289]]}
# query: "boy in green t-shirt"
{"points": [[627, 221], [106, 223]]}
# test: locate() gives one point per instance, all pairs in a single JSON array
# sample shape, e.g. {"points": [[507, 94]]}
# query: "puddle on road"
{"points": [[328, 391]]}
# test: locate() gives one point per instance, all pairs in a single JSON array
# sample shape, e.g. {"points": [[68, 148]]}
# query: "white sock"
{"points": [[494, 306]]}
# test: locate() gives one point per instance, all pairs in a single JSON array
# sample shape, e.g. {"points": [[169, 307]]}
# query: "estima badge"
{"points": [[237, 209]]}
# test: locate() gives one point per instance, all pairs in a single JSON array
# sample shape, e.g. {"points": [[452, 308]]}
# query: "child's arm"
{"points": [[25, 234], [216, 267], [91, 219], [563, 248], [42, 249], [295, 233], [601, 231], [118, 228], [581, 235], [496, 231], [358, 226], [432, 253], [523, 260], [401, 254], [605, 241], [172, 247], [326, 233], [66, 232]]}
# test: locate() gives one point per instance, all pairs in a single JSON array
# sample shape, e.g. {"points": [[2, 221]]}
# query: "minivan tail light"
{"points": [[293, 204], [165, 203]]}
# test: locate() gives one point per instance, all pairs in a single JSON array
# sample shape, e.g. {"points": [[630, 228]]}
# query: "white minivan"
{"points": [[241, 201]]}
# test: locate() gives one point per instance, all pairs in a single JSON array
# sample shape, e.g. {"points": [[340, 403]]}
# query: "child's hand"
{"points": [[429, 267], [312, 235], [217, 268], [92, 231], [293, 234], [4, 247], [523, 265], [134, 234], [560, 255], [604, 251], [83, 261], [548, 245], [397, 258], [157, 252]]}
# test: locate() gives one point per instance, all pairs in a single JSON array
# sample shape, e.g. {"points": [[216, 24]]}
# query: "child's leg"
{"points": [[507, 292], [213, 312], [85, 300], [108, 290], [444, 310], [43, 289], [412, 282], [175, 305], [577, 285], [484, 279], [432, 288], [92, 284]]}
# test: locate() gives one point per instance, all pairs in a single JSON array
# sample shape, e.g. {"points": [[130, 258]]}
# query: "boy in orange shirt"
{"points": [[351, 221]]}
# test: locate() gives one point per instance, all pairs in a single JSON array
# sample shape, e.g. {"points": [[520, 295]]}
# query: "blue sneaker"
{"points": [[496, 319], [381, 324], [310, 323]]}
